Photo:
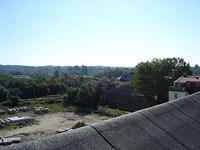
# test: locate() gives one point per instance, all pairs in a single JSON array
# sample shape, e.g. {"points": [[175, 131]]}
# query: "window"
{"points": [[175, 95]]}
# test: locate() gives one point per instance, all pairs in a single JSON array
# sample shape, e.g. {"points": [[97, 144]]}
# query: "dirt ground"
{"points": [[50, 123]]}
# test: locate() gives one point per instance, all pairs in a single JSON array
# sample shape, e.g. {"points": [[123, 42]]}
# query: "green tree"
{"points": [[57, 88], [14, 100], [71, 97], [84, 70], [56, 74], [91, 94], [42, 90], [152, 79], [3, 93], [15, 92]]}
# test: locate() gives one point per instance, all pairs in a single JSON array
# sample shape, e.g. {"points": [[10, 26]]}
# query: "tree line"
{"points": [[47, 72], [78, 90], [150, 82]]}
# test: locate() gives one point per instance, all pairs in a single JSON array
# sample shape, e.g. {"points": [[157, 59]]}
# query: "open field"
{"points": [[58, 119], [49, 124]]}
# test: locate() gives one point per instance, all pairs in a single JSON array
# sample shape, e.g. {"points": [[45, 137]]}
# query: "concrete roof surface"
{"points": [[171, 126]]}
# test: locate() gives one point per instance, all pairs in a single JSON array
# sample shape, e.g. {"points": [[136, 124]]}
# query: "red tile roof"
{"points": [[188, 79]]}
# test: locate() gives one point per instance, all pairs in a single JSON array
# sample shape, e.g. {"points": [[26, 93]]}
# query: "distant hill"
{"points": [[49, 71]]}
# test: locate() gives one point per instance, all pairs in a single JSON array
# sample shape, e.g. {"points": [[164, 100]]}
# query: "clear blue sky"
{"points": [[98, 32]]}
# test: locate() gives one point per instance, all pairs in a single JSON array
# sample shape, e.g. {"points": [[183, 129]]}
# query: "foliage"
{"points": [[105, 110], [196, 70], [48, 72], [57, 107], [16, 125], [90, 94], [29, 88], [3, 93], [152, 79], [57, 88], [42, 89], [5, 115], [79, 125], [71, 97], [15, 92], [14, 100], [79, 88]]}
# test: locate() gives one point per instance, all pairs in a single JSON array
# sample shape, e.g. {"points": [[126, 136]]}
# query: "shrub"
{"points": [[3, 93], [79, 125], [14, 100], [15, 92], [90, 94], [110, 111], [71, 97]]}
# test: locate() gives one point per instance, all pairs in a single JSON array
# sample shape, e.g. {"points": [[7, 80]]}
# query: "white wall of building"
{"points": [[175, 95]]}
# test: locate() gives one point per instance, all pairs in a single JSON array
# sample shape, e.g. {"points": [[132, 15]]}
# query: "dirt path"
{"points": [[49, 124]]}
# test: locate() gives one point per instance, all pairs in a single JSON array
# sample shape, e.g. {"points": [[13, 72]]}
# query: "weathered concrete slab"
{"points": [[175, 123], [85, 138], [196, 97], [135, 132], [188, 106]]}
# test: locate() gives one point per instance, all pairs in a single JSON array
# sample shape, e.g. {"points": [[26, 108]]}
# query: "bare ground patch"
{"points": [[50, 123]]}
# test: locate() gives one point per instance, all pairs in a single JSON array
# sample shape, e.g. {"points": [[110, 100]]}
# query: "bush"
{"points": [[71, 97], [110, 111], [90, 94], [79, 125], [3, 93], [15, 92], [14, 100], [65, 100]]}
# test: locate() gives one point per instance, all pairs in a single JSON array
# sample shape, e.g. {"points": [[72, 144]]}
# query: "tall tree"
{"points": [[3, 93], [152, 79]]}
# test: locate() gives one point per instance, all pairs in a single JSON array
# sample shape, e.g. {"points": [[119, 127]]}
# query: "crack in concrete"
{"points": [[165, 131], [106, 140], [184, 113]]}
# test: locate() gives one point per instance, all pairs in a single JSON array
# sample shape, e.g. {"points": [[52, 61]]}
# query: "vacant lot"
{"points": [[50, 123]]}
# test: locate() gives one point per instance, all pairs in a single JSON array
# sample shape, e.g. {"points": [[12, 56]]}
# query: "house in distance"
{"points": [[184, 86]]}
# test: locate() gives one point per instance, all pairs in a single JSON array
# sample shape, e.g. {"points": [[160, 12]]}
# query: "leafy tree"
{"points": [[196, 66], [90, 94], [56, 74], [152, 79], [3, 93], [56, 88], [196, 70], [14, 100], [42, 90], [15, 92], [84, 70], [71, 96], [29, 90]]}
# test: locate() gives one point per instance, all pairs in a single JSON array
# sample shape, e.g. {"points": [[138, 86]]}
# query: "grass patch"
{"points": [[37, 101], [17, 125], [6, 115], [104, 117], [56, 107], [60, 107], [104, 110], [3, 107]]}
